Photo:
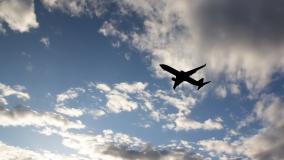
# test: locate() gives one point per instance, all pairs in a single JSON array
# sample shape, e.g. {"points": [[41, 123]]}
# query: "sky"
{"points": [[80, 80]]}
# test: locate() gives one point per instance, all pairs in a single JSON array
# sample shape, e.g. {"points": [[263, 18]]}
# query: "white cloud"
{"points": [[129, 96], [2, 29], [3, 101], [131, 88], [118, 102], [235, 89], [109, 30], [118, 98], [103, 87], [183, 124], [73, 7], [177, 34], [221, 91], [77, 7], [69, 94], [22, 116], [183, 104], [18, 14], [45, 41], [17, 153], [97, 113], [119, 146], [69, 111], [6, 90], [266, 143]]}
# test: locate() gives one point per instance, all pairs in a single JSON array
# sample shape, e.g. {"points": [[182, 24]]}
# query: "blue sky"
{"points": [[80, 79]]}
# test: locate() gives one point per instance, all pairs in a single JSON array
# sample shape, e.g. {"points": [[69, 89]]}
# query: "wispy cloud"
{"points": [[45, 41]]}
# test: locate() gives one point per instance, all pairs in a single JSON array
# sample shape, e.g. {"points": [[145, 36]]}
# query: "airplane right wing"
{"points": [[188, 73], [169, 69]]}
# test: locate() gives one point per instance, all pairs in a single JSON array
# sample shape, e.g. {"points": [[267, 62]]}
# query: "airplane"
{"points": [[185, 76]]}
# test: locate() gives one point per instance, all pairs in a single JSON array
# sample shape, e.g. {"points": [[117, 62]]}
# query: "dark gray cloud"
{"points": [[149, 153], [253, 21]]}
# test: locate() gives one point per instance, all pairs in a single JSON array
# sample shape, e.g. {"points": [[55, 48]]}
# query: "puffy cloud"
{"points": [[131, 88], [221, 91], [266, 143], [2, 29], [72, 112], [183, 104], [3, 101], [77, 7], [18, 14], [181, 123], [69, 94], [73, 7], [178, 34], [23, 116], [118, 146], [18, 91], [109, 30], [97, 113], [129, 96], [119, 98], [117, 102], [103, 87], [45, 41], [235, 89], [17, 153]]}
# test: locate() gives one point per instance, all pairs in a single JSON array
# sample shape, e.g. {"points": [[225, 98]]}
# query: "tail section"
{"points": [[201, 83]]}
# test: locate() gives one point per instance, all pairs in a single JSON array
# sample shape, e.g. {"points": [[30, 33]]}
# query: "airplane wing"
{"points": [[169, 69], [188, 73], [177, 82]]}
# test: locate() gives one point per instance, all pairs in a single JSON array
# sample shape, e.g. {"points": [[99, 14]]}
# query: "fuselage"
{"points": [[182, 76]]}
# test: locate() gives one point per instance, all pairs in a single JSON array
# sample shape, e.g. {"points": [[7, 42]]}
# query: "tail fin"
{"points": [[201, 83]]}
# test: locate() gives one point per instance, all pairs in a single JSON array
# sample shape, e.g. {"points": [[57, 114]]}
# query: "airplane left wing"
{"points": [[188, 73]]}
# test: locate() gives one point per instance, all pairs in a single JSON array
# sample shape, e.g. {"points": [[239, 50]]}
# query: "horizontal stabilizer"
{"points": [[201, 83]]}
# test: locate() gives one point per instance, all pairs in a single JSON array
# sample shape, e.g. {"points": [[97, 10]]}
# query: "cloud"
{"points": [[235, 89], [266, 143], [45, 41], [77, 8], [181, 35], [131, 96], [69, 94], [221, 91], [3, 101], [23, 116], [18, 14], [73, 7], [181, 123], [97, 113], [68, 111], [118, 102], [108, 29], [183, 105], [2, 29], [119, 98], [103, 87], [17, 153], [118, 146], [6, 90], [131, 88]]}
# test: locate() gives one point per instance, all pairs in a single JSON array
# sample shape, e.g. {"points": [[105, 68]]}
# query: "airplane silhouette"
{"points": [[185, 76]]}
